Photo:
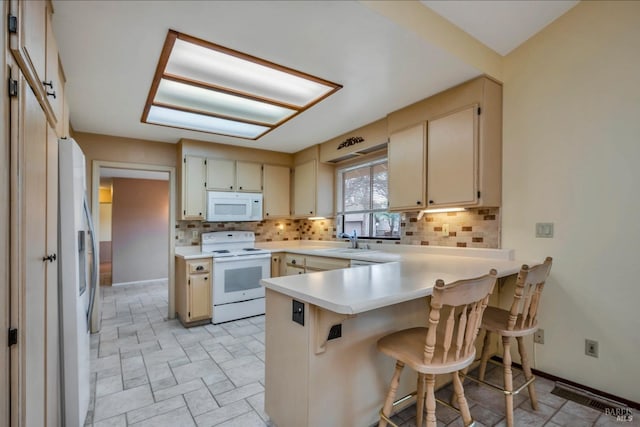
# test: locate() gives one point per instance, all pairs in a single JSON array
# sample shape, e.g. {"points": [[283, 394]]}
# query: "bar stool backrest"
{"points": [[526, 298], [460, 306]]}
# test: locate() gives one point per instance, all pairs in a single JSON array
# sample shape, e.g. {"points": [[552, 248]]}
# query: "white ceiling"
{"points": [[499, 24], [110, 49]]}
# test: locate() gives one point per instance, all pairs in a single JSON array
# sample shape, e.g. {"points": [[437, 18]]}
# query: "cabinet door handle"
{"points": [[231, 187], [205, 277], [418, 202], [293, 262], [241, 188], [430, 202], [199, 268], [48, 83], [52, 94], [49, 258]]}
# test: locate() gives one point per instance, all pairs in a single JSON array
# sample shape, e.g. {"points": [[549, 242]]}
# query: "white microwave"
{"points": [[230, 206]]}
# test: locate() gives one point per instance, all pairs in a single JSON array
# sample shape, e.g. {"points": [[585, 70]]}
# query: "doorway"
{"points": [[125, 213]]}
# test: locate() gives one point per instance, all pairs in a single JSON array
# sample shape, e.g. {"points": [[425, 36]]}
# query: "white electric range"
{"points": [[238, 267]]}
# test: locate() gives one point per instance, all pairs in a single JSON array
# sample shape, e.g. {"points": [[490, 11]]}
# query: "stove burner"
{"points": [[250, 249], [221, 251]]}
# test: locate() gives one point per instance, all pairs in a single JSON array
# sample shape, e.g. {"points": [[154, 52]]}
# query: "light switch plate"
{"points": [[445, 230], [544, 229]]}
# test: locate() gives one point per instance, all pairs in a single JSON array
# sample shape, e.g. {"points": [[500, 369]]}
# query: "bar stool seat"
{"points": [[408, 346], [446, 346], [495, 318]]}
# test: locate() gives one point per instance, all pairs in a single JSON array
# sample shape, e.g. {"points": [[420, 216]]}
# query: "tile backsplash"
{"points": [[473, 228]]}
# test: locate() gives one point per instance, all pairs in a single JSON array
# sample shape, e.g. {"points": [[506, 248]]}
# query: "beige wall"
{"points": [[140, 220], [571, 152], [119, 149]]}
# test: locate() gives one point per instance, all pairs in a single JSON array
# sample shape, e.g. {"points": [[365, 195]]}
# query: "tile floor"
{"points": [[150, 371]]}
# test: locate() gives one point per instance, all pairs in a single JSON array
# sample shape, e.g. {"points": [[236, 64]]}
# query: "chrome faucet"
{"points": [[353, 238]]}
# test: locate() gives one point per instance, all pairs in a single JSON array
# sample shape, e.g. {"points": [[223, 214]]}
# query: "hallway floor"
{"points": [[150, 371]]}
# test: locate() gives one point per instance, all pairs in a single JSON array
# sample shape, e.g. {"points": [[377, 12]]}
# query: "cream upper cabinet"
{"points": [[193, 194], [313, 189], [36, 51], [304, 189], [28, 34], [221, 174], [452, 159], [248, 177], [406, 157], [277, 191], [54, 80], [463, 151], [232, 175]]}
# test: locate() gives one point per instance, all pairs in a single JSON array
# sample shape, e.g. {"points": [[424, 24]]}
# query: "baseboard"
{"points": [[551, 377], [138, 282]]}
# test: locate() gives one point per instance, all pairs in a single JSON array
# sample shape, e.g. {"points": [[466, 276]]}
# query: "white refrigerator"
{"points": [[78, 270]]}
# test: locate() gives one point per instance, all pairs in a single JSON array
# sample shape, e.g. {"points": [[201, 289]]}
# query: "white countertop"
{"points": [[360, 289], [407, 272]]}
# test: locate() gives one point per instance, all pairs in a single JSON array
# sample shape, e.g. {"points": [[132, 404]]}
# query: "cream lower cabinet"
{"points": [[277, 191], [193, 291], [317, 263], [406, 162], [293, 264], [301, 264], [276, 264]]}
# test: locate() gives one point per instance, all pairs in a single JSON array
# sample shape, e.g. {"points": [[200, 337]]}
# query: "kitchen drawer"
{"points": [[324, 263], [293, 259], [198, 266]]}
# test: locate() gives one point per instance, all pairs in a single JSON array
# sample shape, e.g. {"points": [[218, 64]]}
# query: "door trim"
{"points": [[95, 212]]}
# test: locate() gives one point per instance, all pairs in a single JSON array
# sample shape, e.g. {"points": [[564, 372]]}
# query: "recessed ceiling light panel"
{"points": [[219, 103], [206, 85]]}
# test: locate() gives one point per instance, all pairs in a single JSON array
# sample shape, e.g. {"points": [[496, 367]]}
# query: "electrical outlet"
{"points": [[538, 337], [445, 230], [591, 348], [194, 234]]}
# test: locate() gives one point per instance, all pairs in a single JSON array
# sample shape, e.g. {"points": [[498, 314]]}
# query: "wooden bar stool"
{"points": [[520, 321], [443, 347]]}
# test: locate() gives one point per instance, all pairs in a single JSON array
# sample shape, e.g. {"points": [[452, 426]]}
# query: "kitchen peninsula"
{"points": [[322, 374]]}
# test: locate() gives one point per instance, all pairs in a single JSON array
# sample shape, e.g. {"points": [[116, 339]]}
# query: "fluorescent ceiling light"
{"points": [[196, 79]]}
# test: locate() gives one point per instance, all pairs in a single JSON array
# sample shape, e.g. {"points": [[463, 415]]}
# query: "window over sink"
{"points": [[363, 201]]}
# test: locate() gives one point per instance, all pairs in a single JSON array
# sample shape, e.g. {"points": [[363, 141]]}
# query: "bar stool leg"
{"points": [[462, 401], [431, 401], [527, 373], [388, 403], [508, 380], [420, 400], [486, 352]]}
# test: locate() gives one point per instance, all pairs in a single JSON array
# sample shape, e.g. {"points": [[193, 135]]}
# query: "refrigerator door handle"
{"points": [[93, 280]]}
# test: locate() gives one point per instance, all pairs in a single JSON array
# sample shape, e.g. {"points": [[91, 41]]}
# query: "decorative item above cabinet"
{"points": [[367, 139]]}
